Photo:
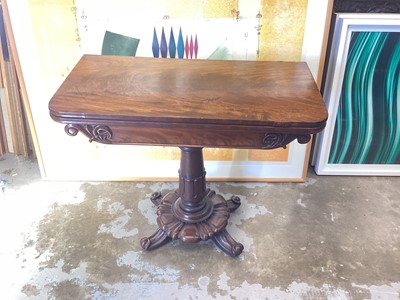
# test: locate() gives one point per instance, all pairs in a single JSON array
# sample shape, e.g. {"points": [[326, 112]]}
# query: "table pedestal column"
{"points": [[193, 212]]}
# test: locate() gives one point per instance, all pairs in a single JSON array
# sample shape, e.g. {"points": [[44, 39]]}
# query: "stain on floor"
{"points": [[326, 238]]}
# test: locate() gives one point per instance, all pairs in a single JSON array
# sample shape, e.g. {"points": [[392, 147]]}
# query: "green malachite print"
{"points": [[367, 127]]}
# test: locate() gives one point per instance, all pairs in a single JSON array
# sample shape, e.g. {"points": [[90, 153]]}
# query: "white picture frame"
{"points": [[61, 157], [345, 26]]}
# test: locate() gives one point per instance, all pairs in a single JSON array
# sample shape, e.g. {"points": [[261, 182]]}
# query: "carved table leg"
{"points": [[193, 213]]}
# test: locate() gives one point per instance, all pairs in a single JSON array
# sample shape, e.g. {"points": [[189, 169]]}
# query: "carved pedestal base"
{"points": [[193, 213], [210, 226]]}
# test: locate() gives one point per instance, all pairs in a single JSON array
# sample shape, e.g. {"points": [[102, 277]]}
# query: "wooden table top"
{"points": [[115, 90]]}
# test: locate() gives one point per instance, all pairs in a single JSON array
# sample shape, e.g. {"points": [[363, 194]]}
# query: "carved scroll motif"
{"points": [[98, 133], [277, 140]]}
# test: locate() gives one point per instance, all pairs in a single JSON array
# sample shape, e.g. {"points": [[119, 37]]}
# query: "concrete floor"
{"points": [[327, 238]]}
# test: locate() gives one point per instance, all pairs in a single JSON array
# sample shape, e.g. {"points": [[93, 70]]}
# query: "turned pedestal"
{"points": [[193, 213]]}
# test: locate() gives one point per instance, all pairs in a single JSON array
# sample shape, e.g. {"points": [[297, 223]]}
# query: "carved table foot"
{"points": [[233, 203], [209, 223], [156, 198], [158, 239], [226, 243]]}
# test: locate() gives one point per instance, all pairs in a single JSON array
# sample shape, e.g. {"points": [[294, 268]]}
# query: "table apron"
{"points": [[256, 138]]}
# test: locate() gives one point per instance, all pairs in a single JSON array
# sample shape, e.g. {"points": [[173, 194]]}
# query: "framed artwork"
{"points": [[229, 29], [362, 94], [147, 163]]}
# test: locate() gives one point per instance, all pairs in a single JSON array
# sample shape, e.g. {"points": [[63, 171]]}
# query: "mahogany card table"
{"points": [[190, 104]]}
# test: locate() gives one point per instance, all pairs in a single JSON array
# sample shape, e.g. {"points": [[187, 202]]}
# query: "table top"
{"points": [[203, 94]]}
